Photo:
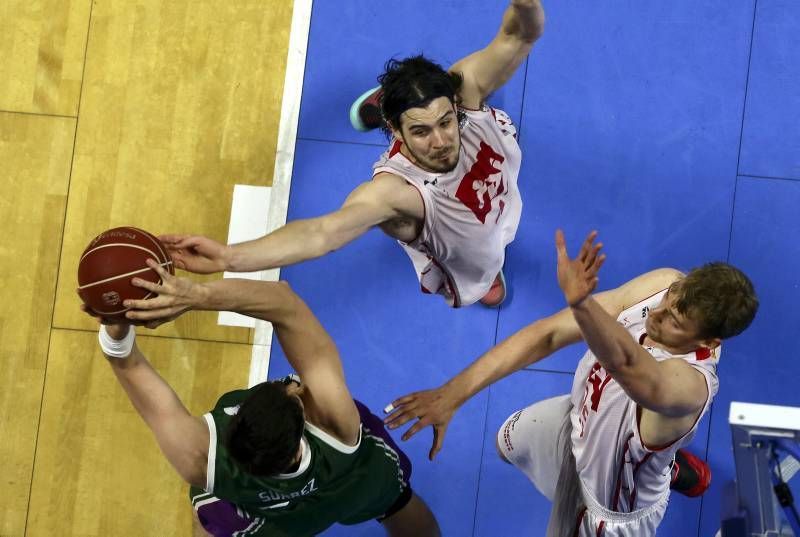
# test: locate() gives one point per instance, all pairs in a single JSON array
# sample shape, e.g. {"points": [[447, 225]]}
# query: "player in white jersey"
{"points": [[471, 211], [441, 128], [604, 453]]}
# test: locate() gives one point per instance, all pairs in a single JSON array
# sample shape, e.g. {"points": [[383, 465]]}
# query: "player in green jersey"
{"points": [[284, 458]]}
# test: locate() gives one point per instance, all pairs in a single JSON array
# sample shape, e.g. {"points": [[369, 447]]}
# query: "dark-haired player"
{"points": [[446, 189], [282, 459], [604, 454]]}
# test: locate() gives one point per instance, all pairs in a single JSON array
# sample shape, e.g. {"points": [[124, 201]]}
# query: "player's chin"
{"points": [[445, 166]]}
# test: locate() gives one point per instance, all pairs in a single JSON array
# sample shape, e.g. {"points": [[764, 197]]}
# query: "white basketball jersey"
{"points": [[471, 212], [613, 463]]}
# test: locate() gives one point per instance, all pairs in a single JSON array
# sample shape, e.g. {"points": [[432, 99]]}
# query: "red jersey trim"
{"points": [[636, 471], [703, 353], [600, 528], [577, 532], [618, 486], [449, 282], [395, 148], [700, 354]]}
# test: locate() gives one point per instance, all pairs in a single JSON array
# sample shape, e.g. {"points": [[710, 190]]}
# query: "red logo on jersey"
{"points": [[475, 190], [597, 383]]}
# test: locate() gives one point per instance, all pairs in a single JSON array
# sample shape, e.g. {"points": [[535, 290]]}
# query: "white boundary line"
{"points": [[249, 215], [284, 162]]}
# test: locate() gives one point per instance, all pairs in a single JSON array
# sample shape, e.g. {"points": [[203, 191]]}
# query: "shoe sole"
{"points": [[355, 119]]}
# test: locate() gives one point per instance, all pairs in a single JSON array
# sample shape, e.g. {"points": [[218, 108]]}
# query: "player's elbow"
{"points": [[531, 20], [550, 341], [670, 274], [286, 295], [315, 238], [523, 38], [534, 31], [291, 306]]}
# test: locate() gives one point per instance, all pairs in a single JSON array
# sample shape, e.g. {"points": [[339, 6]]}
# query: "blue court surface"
{"points": [[672, 128]]}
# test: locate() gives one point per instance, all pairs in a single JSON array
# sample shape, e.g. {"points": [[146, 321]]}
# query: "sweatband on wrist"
{"points": [[116, 348]]}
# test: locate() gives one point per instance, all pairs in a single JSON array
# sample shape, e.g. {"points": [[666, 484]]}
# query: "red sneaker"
{"points": [[691, 476], [365, 112], [497, 292]]}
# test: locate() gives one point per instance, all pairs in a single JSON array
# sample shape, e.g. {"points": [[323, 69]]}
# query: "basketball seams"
{"points": [[124, 244], [164, 257], [123, 238], [164, 260], [111, 279]]}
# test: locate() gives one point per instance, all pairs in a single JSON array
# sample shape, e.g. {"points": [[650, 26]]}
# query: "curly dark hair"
{"points": [[264, 436], [413, 83]]}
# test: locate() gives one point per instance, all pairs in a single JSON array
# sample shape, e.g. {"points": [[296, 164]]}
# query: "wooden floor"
{"points": [[117, 112]]}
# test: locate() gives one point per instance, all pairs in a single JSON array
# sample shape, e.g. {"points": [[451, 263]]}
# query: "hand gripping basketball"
{"points": [[195, 253], [110, 261], [175, 297]]}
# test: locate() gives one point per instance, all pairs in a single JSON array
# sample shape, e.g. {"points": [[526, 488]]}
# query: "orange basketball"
{"points": [[109, 263]]}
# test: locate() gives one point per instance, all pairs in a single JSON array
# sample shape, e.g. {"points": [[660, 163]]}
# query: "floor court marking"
{"points": [[284, 162], [249, 205]]}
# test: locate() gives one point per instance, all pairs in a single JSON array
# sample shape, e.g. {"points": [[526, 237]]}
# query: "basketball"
{"points": [[109, 263]]}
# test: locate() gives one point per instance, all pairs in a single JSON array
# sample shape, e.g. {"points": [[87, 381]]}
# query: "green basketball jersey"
{"points": [[334, 482]]}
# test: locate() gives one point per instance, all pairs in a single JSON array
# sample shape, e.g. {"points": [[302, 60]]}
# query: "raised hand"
{"points": [[175, 296], [196, 253], [578, 277], [429, 407]]}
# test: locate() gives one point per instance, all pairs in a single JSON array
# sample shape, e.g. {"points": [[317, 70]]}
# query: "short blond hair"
{"points": [[719, 297]]}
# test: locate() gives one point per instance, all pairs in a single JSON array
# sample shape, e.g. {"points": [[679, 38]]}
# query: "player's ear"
{"points": [[396, 131]]}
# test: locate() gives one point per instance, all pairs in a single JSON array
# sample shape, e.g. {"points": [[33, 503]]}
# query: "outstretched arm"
{"points": [[370, 204], [671, 388], [308, 347], [488, 69], [527, 346], [183, 438]]}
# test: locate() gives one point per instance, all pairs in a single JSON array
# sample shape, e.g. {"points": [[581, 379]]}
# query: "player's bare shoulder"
{"points": [[647, 285], [407, 203], [617, 300]]}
